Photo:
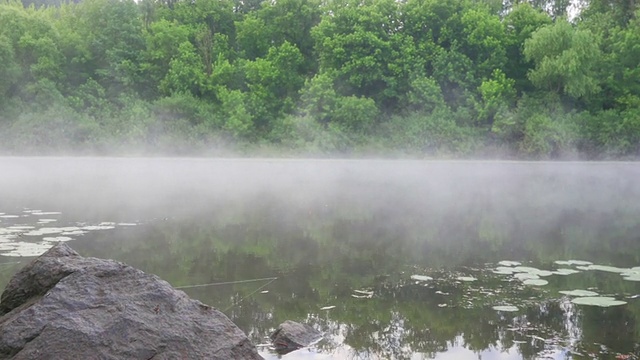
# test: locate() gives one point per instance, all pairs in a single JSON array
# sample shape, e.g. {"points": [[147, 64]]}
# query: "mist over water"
{"points": [[330, 228]]}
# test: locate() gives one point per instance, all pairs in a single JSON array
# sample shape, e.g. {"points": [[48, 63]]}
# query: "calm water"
{"points": [[338, 245]]}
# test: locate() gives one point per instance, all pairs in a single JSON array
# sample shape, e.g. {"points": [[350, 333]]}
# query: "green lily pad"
{"points": [[507, 308], [525, 269], [632, 277], [578, 292], [573, 262], [535, 282], [563, 271], [543, 273], [502, 272], [421, 278], [602, 301], [509, 263], [526, 276], [580, 262], [466, 278], [613, 269]]}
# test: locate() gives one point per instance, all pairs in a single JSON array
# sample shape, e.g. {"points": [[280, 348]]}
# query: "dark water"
{"points": [[349, 235]]}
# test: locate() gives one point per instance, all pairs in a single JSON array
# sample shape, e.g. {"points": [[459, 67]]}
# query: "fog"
{"points": [[536, 195], [325, 228], [162, 186]]}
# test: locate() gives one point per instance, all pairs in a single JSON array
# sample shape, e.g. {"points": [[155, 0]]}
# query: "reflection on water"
{"points": [[344, 238]]}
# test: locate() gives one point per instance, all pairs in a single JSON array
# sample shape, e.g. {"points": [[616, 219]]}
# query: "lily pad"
{"points": [[28, 249], [632, 277], [580, 262], [36, 212], [97, 227], [364, 292], [43, 231], [535, 282], [506, 308], [328, 307], [526, 276], [57, 238], [503, 270], [21, 227], [563, 271], [72, 233], [525, 269], [578, 292], [613, 269], [421, 278], [466, 278], [543, 273], [573, 262], [509, 263], [602, 301]]}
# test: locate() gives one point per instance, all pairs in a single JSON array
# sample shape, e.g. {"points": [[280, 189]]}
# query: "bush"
{"points": [[56, 130], [435, 133]]}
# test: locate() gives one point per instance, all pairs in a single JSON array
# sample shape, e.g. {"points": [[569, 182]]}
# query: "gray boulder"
{"points": [[290, 336], [65, 306]]}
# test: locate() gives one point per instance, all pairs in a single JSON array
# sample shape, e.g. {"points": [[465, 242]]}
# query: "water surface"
{"points": [[345, 246]]}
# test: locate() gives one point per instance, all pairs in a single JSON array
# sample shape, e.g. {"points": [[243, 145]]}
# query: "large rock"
{"points": [[65, 306], [290, 336]]}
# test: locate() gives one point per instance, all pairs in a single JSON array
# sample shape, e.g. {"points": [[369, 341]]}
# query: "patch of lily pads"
{"points": [[578, 293], [535, 282], [35, 238], [532, 276], [602, 301], [573, 262], [563, 271], [509, 263], [505, 308], [421, 278], [527, 273]]}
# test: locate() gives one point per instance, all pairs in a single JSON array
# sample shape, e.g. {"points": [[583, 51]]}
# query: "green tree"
{"points": [[112, 34], [186, 72], [362, 46], [163, 40], [497, 95], [522, 21], [565, 59]]}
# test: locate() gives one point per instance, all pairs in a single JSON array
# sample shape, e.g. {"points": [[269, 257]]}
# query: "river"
{"points": [[390, 259]]}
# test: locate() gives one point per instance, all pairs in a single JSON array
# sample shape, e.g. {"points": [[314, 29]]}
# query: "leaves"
{"points": [[417, 76], [565, 59]]}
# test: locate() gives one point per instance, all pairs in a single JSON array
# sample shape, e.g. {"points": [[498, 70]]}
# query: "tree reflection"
{"points": [[323, 247]]}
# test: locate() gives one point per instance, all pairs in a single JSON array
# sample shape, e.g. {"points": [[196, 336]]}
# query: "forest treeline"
{"points": [[459, 78]]}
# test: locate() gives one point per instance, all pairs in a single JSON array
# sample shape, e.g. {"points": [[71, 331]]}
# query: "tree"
{"points": [[522, 21], [362, 46], [163, 41], [565, 59], [112, 34], [622, 11], [186, 72], [497, 94]]}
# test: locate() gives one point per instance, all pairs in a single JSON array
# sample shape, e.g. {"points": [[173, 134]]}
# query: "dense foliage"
{"points": [[536, 79]]}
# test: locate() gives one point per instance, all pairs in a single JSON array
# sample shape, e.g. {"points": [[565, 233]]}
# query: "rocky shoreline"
{"points": [[66, 306]]}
